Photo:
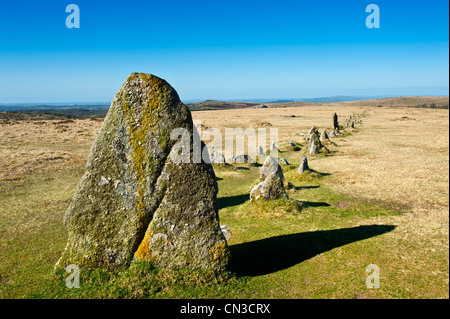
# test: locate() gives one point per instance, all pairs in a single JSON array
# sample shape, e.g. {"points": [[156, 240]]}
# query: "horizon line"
{"points": [[249, 100]]}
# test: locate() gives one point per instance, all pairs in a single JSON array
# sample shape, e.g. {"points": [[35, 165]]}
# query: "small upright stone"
{"points": [[324, 136], [273, 146], [270, 166], [303, 167], [284, 161], [335, 122], [314, 143], [260, 151], [313, 130], [332, 134], [216, 157], [314, 148], [271, 188], [242, 158]]}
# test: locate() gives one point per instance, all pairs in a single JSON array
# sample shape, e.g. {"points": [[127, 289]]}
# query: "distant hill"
{"points": [[337, 98], [79, 110], [218, 105]]}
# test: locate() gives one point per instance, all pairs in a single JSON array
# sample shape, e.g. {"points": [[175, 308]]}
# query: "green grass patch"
{"points": [[142, 281]]}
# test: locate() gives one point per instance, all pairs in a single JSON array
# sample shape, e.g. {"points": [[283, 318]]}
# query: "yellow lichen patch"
{"points": [[143, 252], [218, 251]]}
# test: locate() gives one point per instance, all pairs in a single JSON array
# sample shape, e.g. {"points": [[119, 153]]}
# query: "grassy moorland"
{"points": [[379, 197]]}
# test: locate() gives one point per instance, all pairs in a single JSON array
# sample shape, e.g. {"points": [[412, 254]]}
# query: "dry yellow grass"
{"points": [[399, 155], [31, 146]]}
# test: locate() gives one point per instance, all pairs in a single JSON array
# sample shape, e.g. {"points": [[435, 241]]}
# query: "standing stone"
{"points": [[314, 148], [271, 188], [314, 143], [216, 157], [324, 136], [242, 158], [284, 161], [273, 146], [135, 201], [303, 167], [260, 151], [313, 130], [270, 166], [332, 134], [335, 122]]}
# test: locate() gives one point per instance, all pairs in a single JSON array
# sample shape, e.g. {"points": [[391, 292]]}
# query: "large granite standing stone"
{"points": [[134, 201]]}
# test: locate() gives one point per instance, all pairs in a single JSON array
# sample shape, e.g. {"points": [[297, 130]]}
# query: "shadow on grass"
{"points": [[243, 168], [319, 173], [265, 256], [232, 200], [297, 188], [306, 204]]}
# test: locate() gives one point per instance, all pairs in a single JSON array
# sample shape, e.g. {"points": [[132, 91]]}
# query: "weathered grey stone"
{"points": [[313, 130], [284, 161], [273, 146], [242, 158], [270, 166], [332, 134], [324, 136], [216, 157], [134, 201], [303, 167], [271, 188], [260, 151], [226, 231], [314, 143], [313, 148]]}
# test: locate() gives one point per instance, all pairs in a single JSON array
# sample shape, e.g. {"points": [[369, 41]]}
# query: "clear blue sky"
{"points": [[227, 49]]}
